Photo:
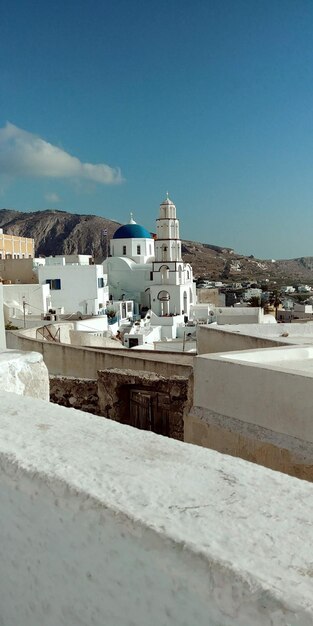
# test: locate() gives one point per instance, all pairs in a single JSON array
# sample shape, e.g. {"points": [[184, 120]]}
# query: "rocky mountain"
{"points": [[60, 232]]}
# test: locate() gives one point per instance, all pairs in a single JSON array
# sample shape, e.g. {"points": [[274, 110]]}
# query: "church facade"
{"points": [[151, 271]]}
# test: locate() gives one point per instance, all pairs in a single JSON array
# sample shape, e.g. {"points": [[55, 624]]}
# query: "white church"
{"points": [[151, 271]]}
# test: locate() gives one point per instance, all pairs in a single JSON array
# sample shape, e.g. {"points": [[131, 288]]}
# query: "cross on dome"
{"points": [[131, 221]]}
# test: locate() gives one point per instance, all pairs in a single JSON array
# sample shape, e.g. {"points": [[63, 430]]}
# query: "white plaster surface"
{"points": [[24, 373], [287, 357], [271, 388], [104, 524]]}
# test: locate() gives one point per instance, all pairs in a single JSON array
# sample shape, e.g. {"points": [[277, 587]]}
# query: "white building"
{"points": [[32, 300], [75, 286], [304, 288], [152, 273], [252, 292]]}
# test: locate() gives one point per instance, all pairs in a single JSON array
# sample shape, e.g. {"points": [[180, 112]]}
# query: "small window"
{"points": [[124, 250], [100, 283], [138, 250], [55, 283], [151, 275]]}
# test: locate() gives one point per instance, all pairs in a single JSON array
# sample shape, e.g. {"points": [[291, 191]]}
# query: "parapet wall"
{"points": [[103, 524], [211, 339], [257, 405], [67, 360]]}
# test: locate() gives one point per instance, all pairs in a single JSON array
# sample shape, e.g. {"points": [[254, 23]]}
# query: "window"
{"points": [[100, 283], [55, 283], [138, 249], [164, 296], [151, 275], [124, 250], [164, 273]]}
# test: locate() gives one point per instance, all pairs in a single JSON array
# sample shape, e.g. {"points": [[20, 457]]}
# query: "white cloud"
{"points": [[27, 155], [52, 197]]}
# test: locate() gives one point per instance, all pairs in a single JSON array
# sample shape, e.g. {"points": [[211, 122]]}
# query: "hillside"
{"points": [[60, 232]]}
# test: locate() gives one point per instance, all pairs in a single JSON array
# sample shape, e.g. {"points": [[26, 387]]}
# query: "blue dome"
{"points": [[132, 231]]}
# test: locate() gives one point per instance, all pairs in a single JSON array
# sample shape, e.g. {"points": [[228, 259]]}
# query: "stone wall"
{"points": [[77, 393], [160, 403]]}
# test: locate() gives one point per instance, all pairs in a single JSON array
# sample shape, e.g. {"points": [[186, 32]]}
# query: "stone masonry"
{"points": [[78, 393]]}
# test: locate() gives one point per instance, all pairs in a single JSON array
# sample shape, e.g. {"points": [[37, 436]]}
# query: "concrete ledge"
{"points": [[104, 524]]}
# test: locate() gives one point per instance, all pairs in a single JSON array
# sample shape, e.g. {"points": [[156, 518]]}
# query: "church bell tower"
{"points": [[172, 290]]}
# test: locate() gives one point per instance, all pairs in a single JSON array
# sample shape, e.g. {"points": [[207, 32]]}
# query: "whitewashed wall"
{"points": [[239, 315], [104, 524], [271, 388], [79, 287]]}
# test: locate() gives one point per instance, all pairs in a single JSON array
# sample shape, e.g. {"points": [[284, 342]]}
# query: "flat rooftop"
{"points": [[290, 358], [301, 333]]}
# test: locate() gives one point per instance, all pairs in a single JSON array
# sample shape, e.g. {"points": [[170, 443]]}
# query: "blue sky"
{"points": [[111, 103]]}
